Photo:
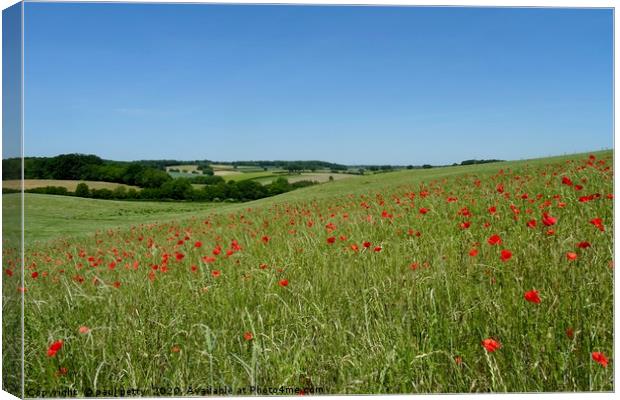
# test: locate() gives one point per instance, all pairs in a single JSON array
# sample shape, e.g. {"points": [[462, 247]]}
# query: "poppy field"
{"points": [[483, 278]]}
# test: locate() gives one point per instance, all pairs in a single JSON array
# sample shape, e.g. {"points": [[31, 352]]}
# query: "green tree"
{"points": [[82, 190]]}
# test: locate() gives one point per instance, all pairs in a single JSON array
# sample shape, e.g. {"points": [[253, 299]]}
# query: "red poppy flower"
{"points": [[54, 348], [492, 210], [423, 210], [465, 225], [532, 296], [600, 358], [283, 282], [198, 244], [248, 336], [548, 220], [354, 247], [491, 345], [84, 330], [567, 181], [505, 255], [570, 333], [583, 245], [598, 222], [473, 252], [35, 274], [495, 239], [531, 223], [378, 249], [570, 256], [331, 240], [216, 273], [367, 244], [265, 239]]}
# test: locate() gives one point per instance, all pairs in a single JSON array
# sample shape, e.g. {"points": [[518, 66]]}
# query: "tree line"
{"points": [[85, 167], [180, 189]]}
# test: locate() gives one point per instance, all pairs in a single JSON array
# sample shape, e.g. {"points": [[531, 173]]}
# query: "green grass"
{"points": [[49, 216], [349, 321]]}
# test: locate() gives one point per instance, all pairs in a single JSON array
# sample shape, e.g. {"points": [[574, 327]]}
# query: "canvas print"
{"points": [[239, 200]]}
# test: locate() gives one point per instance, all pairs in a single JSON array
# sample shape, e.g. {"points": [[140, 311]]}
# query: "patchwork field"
{"points": [[68, 184], [483, 278]]}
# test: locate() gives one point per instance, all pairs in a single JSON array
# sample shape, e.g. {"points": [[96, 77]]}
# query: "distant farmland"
{"points": [[70, 185]]}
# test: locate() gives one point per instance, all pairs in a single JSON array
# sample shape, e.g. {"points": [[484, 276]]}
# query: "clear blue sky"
{"points": [[398, 85]]}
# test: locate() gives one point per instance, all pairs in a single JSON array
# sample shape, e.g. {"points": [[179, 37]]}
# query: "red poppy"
{"points": [[378, 249], [532, 296], [423, 210], [567, 181], [331, 240], [198, 244], [570, 333], [265, 239], [570, 256], [354, 247], [598, 222], [473, 252], [600, 358], [505, 255], [283, 282], [54, 348], [216, 273], [116, 284], [248, 336], [35, 274], [367, 244], [548, 220], [465, 225], [495, 239], [492, 210], [491, 345], [84, 330], [583, 245], [531, 223]]}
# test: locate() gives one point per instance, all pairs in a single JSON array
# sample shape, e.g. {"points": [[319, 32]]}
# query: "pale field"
{"points": [[226, 172], [69, 184], [310, 176]]}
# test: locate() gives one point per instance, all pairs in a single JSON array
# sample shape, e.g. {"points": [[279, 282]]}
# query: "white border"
{"points": [[477, 3]]}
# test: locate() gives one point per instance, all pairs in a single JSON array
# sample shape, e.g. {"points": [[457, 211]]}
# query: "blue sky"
{"points": [[382, 85]]}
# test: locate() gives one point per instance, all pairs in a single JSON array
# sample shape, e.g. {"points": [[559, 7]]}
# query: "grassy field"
{"points": [[495, 277], [70, 185], [49, 216]]}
